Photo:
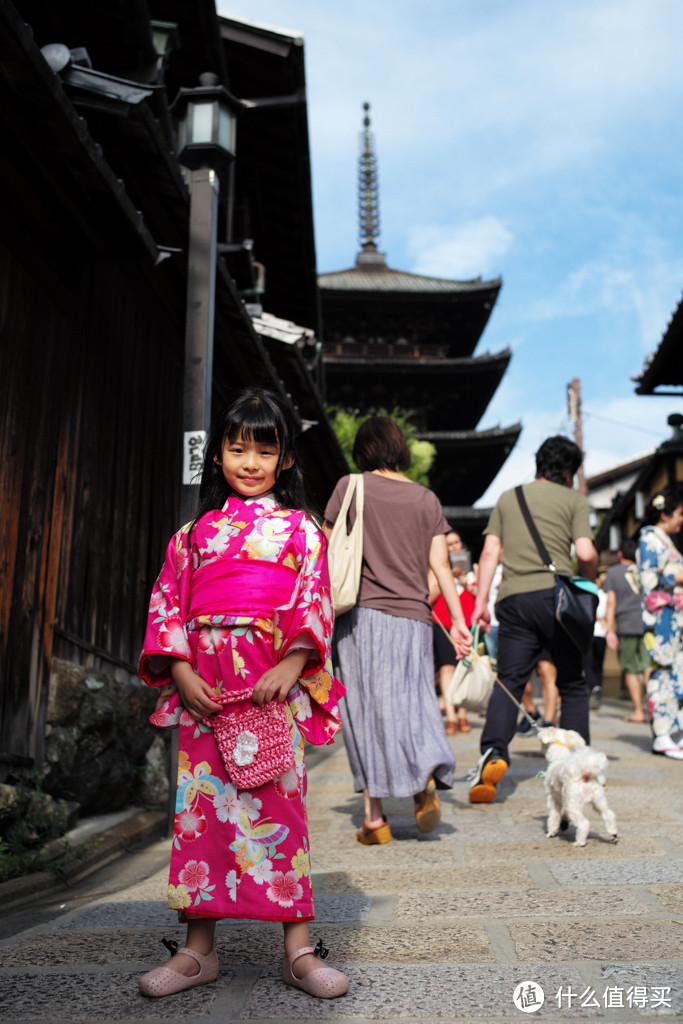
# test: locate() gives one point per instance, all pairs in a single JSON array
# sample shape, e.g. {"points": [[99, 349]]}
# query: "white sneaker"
{"points": [[666, 746]]}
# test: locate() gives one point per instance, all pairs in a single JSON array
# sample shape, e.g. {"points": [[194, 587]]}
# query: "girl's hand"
{"points": [[195, 692], [462, 638], [276, 683]]}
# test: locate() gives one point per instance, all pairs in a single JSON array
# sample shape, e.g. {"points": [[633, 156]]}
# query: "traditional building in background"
{"points": [[618, 496], [399, 340], [94, 242], [662, 373]]}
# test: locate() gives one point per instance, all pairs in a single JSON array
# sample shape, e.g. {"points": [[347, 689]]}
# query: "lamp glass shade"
{"points": [[227, 124], [207, 122], [202, 123]]}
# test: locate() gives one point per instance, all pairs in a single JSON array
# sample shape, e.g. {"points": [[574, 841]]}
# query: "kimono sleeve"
{"points": [[657, 571], [166, 634], [662, 599], [308, 622]]}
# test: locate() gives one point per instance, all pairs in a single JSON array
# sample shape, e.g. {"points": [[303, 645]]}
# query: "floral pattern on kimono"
{"points": [[247, 584], [658, 559]]}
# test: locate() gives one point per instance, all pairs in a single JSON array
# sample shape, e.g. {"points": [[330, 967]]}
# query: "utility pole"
{"points": [[574, 407]]}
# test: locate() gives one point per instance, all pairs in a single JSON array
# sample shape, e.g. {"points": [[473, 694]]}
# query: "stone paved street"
{"points": [[440, 927]]}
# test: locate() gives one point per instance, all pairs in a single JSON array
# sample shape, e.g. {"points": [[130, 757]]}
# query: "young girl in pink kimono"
{"points": [[243, 603]]}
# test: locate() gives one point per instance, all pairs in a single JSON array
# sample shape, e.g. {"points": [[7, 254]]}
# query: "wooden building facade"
{"points": [[93, 278]]}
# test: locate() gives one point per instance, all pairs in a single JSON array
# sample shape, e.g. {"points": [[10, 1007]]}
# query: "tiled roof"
{"points": [[383, 279]]}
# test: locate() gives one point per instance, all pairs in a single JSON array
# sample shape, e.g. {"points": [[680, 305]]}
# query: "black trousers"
{"points": [[526, 627], [592, 663]]}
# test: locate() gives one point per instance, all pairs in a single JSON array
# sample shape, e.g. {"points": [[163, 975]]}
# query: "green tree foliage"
{"points": [[422, 453]]}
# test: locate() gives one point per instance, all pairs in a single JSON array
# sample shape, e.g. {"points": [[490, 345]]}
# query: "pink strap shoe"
{"points": [[322, 982], [164, 981]]}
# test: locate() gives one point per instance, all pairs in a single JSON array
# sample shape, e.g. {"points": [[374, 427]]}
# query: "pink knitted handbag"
{"points": [[254, 740]]}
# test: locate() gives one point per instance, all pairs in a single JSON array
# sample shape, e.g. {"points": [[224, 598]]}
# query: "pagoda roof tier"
{"points": [[378, 277], [452, 317], [443, 393], [467, 461]]}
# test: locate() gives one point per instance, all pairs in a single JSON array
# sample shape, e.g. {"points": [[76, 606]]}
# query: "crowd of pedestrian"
{"points": [[249, 662]]}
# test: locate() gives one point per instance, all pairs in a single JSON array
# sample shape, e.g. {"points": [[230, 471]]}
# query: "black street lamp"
{"points": [[206, 119], [207, 122]]}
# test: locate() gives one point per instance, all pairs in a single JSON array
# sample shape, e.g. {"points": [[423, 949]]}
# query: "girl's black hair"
{"points": [[259, 415], [665, 501]]}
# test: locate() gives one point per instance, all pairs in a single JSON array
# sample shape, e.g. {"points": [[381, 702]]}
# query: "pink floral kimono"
{"points": [[247, 585]]}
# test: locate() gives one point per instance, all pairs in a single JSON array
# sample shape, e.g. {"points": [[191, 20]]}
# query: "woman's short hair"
{"points": [[556, 457], [380, 444], [665, 501]]}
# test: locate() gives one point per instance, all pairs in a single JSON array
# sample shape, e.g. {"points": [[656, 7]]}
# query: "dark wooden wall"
{"points": [[90, 414]]}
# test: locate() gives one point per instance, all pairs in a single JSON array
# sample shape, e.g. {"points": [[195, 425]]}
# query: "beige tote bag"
{"points": [[472, 682], [345, 550]]}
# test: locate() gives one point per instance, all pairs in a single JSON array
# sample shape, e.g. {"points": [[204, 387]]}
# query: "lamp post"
{"points": [[206, 117]]}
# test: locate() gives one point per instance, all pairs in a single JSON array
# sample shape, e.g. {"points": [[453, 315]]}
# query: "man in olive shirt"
{"points": [[525, 608]]}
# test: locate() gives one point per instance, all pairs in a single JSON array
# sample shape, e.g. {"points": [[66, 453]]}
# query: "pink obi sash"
{"points": [[240, 586]]}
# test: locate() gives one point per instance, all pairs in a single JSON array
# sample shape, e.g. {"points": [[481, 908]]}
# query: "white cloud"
{"points": [[640, 276], [464, 251]]}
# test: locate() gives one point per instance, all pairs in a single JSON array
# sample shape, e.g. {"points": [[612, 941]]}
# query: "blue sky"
{"points": [[536, 140]]}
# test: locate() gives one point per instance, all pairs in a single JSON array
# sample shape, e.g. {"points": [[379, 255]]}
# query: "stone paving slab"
{"points": [[562, 849], [150, 913], [626, 939], [431, 929], [522, 903], [446, 879], [670, 896], [249, 943], [618, 872], [94, 996], [424, 992]]}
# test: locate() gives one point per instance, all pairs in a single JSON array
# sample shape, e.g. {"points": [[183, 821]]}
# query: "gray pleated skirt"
{"points": [[392, 725]]}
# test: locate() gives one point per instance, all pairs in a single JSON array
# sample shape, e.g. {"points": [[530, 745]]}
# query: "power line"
{"points": [[619, 423]]}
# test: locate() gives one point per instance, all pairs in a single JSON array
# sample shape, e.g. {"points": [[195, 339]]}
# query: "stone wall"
{"points": [[97, 741], [101, 755]]}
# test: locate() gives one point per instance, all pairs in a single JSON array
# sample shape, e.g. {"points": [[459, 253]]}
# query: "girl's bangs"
{"points": [[257, 423]]}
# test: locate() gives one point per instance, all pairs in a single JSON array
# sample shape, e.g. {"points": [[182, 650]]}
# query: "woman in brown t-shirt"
{"points": [[392, 725]]}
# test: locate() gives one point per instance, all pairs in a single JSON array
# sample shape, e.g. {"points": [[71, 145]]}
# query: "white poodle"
{"points": [[574, 779]]}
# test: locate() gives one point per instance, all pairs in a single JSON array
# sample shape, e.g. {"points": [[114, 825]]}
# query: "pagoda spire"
{"points": [[368, 197]]}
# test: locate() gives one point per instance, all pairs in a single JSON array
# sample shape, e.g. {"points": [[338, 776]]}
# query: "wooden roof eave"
{"points": [[147, 166], [57, 123], [485, 363], [468, 461], [273, 168], [664, 367], [403, 285], [670, 449], [465, 438], [458, 440]]}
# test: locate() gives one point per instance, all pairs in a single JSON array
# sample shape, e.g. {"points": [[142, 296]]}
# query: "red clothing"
{"points": [[440, 609], [247, 585]]}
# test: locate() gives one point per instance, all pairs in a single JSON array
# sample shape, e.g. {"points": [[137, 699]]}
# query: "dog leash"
{"points": [[534, 725]]}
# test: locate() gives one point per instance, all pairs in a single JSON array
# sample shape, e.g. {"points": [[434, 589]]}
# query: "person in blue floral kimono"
{"points": [[660, 566]]}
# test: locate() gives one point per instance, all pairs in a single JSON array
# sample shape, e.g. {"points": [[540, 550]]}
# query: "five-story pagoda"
{"points": [[393, 339]]}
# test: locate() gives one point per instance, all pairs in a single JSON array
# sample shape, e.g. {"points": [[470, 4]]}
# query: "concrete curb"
{"points": [[91, 852]]}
